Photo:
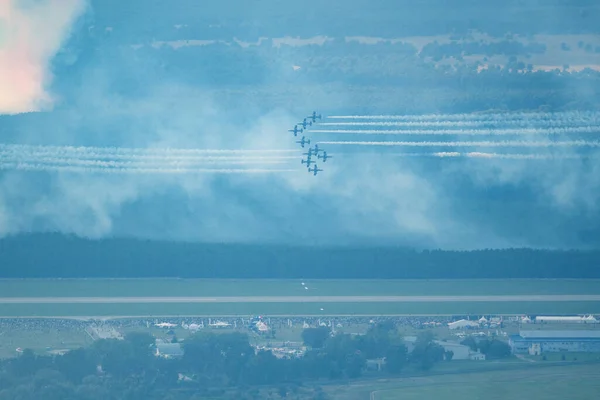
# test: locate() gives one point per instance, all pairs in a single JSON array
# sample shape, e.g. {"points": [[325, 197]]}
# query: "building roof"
{"points": [[570, 334], [169, 349]]}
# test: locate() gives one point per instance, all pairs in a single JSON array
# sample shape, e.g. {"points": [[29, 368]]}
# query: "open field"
{"points": [[299, 308], [266, 287], [41, 339], [555, 382]]}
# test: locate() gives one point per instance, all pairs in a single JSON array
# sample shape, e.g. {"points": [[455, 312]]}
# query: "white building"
{"points": [[168, 350], [544, 341], [462, 324]]}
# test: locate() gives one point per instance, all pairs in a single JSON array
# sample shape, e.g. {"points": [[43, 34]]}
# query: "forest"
{"points": [[218, 366], [252, 19], [62, 256]]}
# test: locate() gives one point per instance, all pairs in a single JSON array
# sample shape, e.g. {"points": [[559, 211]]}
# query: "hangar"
{"points": [[546, 341]]}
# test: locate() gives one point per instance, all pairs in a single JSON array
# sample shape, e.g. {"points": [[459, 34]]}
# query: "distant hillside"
{"points": [[53, 255]]}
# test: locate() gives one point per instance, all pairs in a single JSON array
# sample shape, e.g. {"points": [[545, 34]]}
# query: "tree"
{"points": [[426, 352], [494, 349], [471, 342], [395, 359], [283, 391], [315, 337], [76, 364]]}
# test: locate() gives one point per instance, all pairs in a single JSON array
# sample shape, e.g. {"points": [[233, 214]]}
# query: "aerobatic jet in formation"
{"points": [[308, 161], [303, 141], [314, 116], [296, 130], [324, 157], [314, 170], [305, 123], [301, 127]]}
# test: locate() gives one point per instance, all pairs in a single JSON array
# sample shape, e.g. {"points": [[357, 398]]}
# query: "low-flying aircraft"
{"points": [[308, 161], [324, 157], [314, 170], [314, 116], [296, 130], [303, 141], [316, 150], [305, 123]]}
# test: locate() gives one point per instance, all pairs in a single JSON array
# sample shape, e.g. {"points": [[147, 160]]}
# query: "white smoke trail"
{"points": [[58, 150], [140, 157], [134, 171], [593, 115], [522, 123], [472, 132], [135, 164], [512, 143], [508, 156]]}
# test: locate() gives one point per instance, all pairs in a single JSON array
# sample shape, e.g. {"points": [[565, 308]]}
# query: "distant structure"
{"points": [[168, 350], [460, 351], [543, 341], [462, 324], [590, 319]]}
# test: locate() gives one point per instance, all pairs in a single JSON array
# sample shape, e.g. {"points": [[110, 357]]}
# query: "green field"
{"points": [[389, 308], [265, 287], [40, 340], [550, 383]]}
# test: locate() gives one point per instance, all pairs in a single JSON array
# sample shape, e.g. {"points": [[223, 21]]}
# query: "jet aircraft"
{"points": [[308, 161], [304, 123], [296, 130], [316, 150], [310, 153], [314, 116], [303, 141], [314, 170], [324, 157]]}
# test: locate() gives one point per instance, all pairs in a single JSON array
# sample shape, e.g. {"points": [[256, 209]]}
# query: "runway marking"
{"points": [[297, 299]]}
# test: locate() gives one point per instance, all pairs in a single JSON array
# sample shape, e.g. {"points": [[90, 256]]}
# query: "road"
{"points": [[298, 299]]}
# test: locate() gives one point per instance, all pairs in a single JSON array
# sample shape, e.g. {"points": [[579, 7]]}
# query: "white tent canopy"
{"points": [[463, 323]]}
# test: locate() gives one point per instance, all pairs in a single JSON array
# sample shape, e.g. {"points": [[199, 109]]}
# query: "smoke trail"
{"points": [[509, 156], [141, 157], [514, 143], [135, 164], [592, 115], [134, 171], [523, 123], [131, 150], [473, 132]]}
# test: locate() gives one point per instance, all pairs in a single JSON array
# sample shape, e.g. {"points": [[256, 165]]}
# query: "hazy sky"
{"points": [[56, 91]]}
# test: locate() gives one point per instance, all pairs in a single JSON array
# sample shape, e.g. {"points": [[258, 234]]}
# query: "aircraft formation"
{"points": [[316, 152]]}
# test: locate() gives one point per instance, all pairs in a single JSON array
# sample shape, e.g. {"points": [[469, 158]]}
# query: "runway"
{"points": [[297, 299]]}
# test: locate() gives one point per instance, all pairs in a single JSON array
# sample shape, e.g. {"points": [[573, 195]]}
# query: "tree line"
{"points": [[216, 366], [60, 256]]}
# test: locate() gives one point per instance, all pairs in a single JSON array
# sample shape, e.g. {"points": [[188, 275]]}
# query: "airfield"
{"points": [[181, 297]]}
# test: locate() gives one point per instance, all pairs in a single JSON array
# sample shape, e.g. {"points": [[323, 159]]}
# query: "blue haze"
{"points": [[229, 96]]}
